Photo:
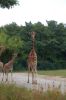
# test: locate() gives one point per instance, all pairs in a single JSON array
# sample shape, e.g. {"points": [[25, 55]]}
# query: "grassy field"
{"points": [[12, 92], [61, 73]]}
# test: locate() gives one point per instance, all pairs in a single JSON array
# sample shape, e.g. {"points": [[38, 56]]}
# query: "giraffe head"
{"points": [[14, 55], [33, 35]]}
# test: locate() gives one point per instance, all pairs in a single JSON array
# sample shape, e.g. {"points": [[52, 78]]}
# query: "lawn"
{"points": [[61, 73], [53, 72]]}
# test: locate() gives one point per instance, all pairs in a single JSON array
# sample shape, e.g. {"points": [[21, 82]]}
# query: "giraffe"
{"points": [[32, 61], [1, 67], [8, 67], [2, 49]]}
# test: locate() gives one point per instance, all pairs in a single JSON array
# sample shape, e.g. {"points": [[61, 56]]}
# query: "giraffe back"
{"points": [[1, 65], [9, 65]]}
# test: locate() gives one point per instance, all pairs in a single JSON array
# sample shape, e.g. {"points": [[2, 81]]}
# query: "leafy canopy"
{"points": [[15, 43], [3, 39], [8, 3]]}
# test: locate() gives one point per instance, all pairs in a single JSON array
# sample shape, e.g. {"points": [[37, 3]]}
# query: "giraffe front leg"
{"points": [[32, 76], [28, 74], [6, 76], [0, 72], [11, 76], [2, 76], [35, 77]]}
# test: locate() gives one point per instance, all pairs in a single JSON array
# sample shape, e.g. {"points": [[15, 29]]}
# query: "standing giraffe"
{"points": [[1, 67], [8, 67], [2, 49], [32, 61]]}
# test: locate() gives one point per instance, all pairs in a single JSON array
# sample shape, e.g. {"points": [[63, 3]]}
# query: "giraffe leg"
{"points": [[6, 76], [32, 76], [3, 76], [11, 76], [0, 72], [35, 76], [28, 74]]}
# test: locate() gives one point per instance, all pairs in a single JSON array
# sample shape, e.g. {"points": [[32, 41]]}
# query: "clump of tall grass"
{"points": [[12, 92]]}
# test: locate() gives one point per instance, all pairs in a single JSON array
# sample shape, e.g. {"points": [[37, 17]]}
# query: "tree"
{"points": [[50, 44], [11, 29], [52, 25], [3, 42], [15, 43], [8, 3]]}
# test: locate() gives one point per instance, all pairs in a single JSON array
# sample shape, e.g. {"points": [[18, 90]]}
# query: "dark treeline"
{"points": [[50, 44]]}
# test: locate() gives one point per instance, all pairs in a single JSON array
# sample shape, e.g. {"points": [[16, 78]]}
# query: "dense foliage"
{"points": [[8, 3], [50, 43]]}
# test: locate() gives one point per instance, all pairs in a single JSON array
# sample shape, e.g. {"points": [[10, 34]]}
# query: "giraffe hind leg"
{"points": [[35, 76], [11, 76], [34, 80], [32, 76], [2, 76], [28, 75], [6, 74]]}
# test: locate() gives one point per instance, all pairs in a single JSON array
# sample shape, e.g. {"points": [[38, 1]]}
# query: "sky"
{"points": [[34, 11]]}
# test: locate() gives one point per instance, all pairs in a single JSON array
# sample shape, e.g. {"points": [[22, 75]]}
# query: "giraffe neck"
{"points": [[12, 60], [33, 44]]}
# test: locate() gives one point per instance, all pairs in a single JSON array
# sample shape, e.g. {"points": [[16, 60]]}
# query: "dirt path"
{"points": [[43, 81]]}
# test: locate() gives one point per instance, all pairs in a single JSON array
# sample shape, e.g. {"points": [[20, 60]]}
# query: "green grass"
{"points": [[12, 92], [61, 73]]}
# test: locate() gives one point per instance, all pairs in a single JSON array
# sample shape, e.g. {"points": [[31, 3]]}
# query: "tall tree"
{"points": [[15, 43], [8, 3], [3, 41]]}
